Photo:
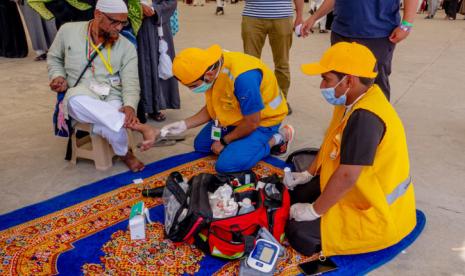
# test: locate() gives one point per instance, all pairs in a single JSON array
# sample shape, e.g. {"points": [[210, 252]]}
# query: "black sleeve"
{"points": [[361, 137]]}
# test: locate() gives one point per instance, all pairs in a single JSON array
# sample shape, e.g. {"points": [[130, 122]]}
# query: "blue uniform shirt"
{"points": [[247, 91], [366, 18]]}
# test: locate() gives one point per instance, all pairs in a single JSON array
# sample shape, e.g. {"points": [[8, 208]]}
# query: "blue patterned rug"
{"points": [[84, 232]]}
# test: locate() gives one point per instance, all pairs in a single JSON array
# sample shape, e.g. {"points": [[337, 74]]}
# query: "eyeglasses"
{"points": [[202, 78], [115, 22]]}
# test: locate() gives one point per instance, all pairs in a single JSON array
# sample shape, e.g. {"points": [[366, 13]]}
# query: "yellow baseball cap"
{"points": [[191, 63], [344, 57]]}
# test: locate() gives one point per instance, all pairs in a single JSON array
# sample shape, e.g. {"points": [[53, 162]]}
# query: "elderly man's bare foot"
{"points": [[132, 162], [149, 133]]}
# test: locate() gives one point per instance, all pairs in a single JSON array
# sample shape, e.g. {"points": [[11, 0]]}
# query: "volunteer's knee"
{"points": [[201, 144], [228, 163]]}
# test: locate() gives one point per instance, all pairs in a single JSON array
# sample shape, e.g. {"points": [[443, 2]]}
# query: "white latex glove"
{"points": [[298, 178], [303, 212], [175, 128]]}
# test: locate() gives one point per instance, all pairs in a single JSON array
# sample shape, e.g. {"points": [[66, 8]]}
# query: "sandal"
{"points": [[41, 57], [159, 117]]}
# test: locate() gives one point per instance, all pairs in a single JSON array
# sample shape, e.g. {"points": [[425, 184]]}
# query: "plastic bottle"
{"points": [[288, 178], [246, 206]]}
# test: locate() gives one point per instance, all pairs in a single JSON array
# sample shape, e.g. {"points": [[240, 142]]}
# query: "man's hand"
{"points": [[217, 147], [398, 35], [147, 11], [307, 26], [175, 128], [298, 178], [59, 84], [131, 118], [298, 21], [303, 212]]}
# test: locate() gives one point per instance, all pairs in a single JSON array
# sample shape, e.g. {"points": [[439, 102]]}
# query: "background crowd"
{"points": [[45, 17]]}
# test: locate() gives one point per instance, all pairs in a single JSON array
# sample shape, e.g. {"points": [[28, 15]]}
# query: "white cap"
{"points": [[111, 6]]}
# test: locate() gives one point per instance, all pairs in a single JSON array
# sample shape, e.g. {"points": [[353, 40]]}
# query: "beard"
{"points": [[109, 37]]}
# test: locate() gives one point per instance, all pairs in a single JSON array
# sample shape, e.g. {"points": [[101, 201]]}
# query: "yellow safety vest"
{"points": [[222, 103], [380, 209]]}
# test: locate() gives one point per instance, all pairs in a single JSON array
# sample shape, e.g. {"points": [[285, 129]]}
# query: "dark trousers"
{"points": [[450, 7], [383, 50], [305, 236]]}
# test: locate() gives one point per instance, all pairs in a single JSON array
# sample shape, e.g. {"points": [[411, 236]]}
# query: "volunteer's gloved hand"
{"points": [[175, 128], [303, 212], [298, 178]]}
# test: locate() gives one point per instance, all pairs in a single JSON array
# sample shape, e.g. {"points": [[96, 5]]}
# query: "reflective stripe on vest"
{"points": [[399, 190], [227, 72], [276, 101]]}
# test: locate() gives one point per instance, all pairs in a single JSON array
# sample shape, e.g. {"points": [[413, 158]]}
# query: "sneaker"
{"points": [[289, 109], [283, 148]]}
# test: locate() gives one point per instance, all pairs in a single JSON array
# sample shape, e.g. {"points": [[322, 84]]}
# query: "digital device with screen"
{"points": [[317, 267], [263, 256]]}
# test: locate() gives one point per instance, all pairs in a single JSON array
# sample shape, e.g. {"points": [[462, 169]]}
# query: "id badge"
{"points": [[99, 88], [216, 133], [115, 80]]}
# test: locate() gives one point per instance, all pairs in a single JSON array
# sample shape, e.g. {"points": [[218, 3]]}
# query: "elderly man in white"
{"points": [[108, 93]]}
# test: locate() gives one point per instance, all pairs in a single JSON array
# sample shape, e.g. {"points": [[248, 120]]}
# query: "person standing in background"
{"points": [[272, 18], [156, 94], [380, 31], [314, 5], [450, 7], [42, 32], [432, 8], [219, 7], [462, 8], [12, 37]]}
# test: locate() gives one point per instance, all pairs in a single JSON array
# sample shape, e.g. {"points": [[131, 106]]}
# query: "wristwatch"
{"points": [[223, 142]]}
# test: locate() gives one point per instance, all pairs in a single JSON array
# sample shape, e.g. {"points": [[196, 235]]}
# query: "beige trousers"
{"points": [[279, 31]]}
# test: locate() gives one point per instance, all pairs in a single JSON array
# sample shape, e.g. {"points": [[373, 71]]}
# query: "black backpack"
{"points": [[302, 159]]}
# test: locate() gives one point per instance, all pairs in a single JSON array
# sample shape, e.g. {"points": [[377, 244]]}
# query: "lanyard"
{"points": [[106, 62]]}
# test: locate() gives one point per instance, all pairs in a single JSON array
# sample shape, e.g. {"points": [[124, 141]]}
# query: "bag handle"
{"points": [[177, 191]]}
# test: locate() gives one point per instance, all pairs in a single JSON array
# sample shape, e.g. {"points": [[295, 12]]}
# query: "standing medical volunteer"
{"points": [[108, 93], [244, 107], [367, 200]]}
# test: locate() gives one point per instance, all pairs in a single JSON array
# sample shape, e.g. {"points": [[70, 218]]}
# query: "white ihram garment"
{"points": [[105, 117], [314, 5]]}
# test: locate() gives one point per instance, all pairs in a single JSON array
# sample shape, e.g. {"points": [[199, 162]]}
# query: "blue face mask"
{"points": [[330, 95], [202, 88]]}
